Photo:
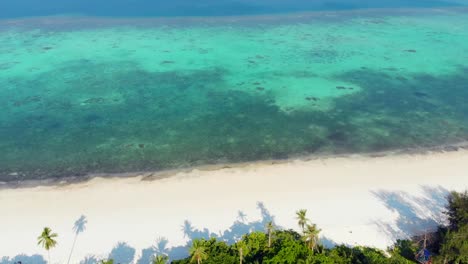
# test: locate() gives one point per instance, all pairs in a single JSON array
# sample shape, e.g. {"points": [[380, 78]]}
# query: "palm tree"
{"points": [[46, 239], [243, 250], [78, 227], [311, 236], [269, 227], [197, 251], [160, 259], [301, 218]]}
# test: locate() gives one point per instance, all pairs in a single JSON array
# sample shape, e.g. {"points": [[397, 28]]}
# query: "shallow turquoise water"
{"points": [[88, 95]]}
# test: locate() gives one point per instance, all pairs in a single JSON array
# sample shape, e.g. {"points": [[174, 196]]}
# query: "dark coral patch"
{"points": [[91, 118], [27, 100], [94, 100], [420, 94], [167, 62]]}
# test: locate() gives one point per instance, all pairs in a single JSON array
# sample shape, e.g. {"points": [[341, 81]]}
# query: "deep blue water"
{"points": [[22, 8]]}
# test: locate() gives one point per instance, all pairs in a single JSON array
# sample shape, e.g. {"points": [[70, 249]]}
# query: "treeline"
{"points": [[449, 244]]}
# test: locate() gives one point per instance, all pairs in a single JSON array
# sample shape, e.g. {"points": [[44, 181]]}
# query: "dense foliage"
{"points": [[289, 247], [452, 242], [448, 245]]}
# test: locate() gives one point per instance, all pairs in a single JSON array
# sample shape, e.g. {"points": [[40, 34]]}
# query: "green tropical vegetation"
{"points": [[302, 218], [198, 252], [269, 228], [160, 259], [450, 243], [447, 245]]}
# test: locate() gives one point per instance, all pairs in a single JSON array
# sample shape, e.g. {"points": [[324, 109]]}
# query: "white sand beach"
{"points": [[354, 200]]}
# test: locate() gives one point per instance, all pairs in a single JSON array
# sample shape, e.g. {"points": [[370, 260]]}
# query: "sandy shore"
{"points": [[355, 200]]}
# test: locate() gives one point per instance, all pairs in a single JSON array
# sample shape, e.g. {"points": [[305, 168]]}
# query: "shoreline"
{"points": [[167, 173], [354, 200], [210, 127]]}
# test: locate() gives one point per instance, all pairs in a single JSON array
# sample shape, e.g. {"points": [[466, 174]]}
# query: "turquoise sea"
{"points": [[84, 94]]}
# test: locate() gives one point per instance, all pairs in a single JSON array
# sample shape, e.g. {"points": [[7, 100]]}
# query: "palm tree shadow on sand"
{"points": [[239, 227], [78, 228], [234, 233], [416, 214], [24, 259], [122, 253]]}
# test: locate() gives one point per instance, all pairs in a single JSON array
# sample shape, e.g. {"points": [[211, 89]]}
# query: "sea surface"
{"points": [[96, 92]]}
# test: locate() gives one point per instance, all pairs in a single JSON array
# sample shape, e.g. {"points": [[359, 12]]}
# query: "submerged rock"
{"points": [[203, 51], [27, 100], [420, 94], [344, 88], [94, 100], [312, 98], [54, 125], [7, 65], [167, 62], [260, 88], [91, 118], [337, 136]]}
